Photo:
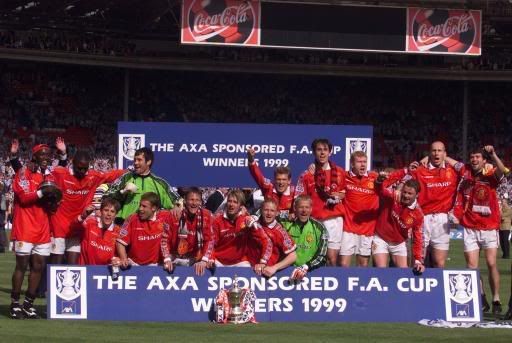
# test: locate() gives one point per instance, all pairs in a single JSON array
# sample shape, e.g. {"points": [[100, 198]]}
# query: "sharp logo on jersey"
{"points": [[461, 295], [353, 144], [68, 289], [128, 144], [77, 192], [443, 31], [360, 189], [101, 246], [438, 184], [149, 237], [398, 219], [220, 22]]}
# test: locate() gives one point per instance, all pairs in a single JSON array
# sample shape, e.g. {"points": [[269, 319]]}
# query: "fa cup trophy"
{"points": [[235, 299], [52, 196], [235, 305]]}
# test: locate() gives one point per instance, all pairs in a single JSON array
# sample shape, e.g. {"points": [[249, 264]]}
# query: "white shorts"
{"points": [[480, 239], [380, 246], [239, 264], [61, 245], [25, 248], [334, 228], [436, 231], [352, 243]]}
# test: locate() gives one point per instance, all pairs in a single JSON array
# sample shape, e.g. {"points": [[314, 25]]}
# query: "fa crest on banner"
{"points": [[68, 289], [128, 144], [358, 144], [461, 296]]}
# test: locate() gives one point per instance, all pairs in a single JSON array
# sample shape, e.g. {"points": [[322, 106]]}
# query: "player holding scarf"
{"points": [[324, 181], [188, 240]]}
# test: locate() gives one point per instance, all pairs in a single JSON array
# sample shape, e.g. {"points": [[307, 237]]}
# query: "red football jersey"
{"points": [[396, 222], [76, 196], [438, 187], [284, 201], [143, 238], [306, 185], [361, 204], [30, 221], [477, 204], [98, 245], [233, 237], [282, 244], [188, 236]]}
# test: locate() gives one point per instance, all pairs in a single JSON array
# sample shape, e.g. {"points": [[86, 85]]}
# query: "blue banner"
{"points": [[198, 154], [325, 295]]}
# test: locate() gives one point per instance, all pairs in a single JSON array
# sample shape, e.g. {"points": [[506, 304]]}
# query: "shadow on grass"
{"points": [[5, 309]]}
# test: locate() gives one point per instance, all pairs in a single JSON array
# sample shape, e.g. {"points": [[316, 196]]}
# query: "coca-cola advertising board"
{"points": [[305, 25], [443, 31], [226, 22]]}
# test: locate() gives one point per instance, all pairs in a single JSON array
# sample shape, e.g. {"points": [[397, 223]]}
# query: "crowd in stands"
{"points": [[53, 40], [103, 44], [84, 104]]}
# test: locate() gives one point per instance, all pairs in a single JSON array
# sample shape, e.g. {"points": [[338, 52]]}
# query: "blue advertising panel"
{"points": [[199, 154], [325, 295]]}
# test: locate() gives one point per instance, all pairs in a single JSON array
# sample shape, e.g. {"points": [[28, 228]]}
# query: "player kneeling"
{"points": [[282, 248], [141, 234], [397, 219], [98, 233], [310, 236]]}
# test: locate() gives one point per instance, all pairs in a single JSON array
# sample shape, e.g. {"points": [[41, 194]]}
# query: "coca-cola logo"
{"points": [[220, 21], [444, 31]]}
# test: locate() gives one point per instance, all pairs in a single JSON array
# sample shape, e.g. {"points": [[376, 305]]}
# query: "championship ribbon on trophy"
{"points": [[235, 305]]}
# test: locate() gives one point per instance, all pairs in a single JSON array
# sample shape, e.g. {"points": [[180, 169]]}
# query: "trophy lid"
{"points": [[234, 286]]}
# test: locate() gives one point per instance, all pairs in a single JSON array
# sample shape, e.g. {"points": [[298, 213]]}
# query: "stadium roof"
{"points": [[148, 16]]}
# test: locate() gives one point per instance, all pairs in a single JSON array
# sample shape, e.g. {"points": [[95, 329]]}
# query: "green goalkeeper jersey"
{"points": [[148, 183], [311, 241]]}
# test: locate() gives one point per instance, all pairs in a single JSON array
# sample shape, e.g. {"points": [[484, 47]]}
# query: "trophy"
{"points": [[235, 305], [52, 196], [234, 299]]}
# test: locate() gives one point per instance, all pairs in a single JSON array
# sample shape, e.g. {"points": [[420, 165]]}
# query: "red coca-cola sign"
{"points": [[444, 31], [220, 22]]}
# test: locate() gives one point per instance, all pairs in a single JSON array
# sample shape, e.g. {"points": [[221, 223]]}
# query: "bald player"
{"points": [[438, 178]]}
